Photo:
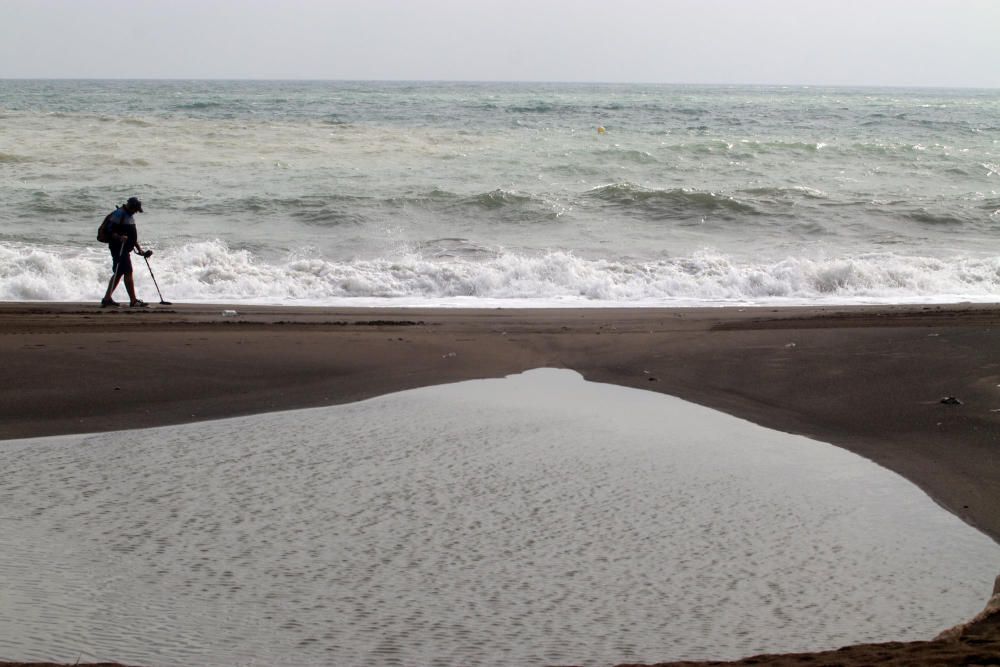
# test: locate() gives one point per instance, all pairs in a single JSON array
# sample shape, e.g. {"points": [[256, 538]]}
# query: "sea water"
{"points": [[532, 520], [483, 194]]}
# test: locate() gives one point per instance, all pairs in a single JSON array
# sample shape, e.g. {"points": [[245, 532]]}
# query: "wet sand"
{"points": [[869, 379]]}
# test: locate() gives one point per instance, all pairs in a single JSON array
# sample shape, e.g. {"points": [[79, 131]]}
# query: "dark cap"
{"points": [[134, 204]]}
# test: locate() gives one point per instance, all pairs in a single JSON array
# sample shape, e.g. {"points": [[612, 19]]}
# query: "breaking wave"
{"points": [[213, 272]]}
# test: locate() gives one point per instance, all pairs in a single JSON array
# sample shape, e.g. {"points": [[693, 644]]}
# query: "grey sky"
{"points": [[867, 42]]}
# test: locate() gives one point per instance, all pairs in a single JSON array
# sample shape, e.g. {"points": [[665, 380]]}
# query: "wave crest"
{"points": [[497, 199], [677, 202]]}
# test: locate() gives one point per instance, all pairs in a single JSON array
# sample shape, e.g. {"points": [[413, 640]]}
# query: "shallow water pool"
{"points": [[537, 519]]}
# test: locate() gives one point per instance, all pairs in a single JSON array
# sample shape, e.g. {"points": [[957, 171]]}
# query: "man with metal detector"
{"points": [[123, 239]]}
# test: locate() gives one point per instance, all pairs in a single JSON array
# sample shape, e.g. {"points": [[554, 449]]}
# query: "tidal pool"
{"points": [[538, 519]]}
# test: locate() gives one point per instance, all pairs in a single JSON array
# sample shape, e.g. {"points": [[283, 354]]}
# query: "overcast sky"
{"points": [[845, 42]]}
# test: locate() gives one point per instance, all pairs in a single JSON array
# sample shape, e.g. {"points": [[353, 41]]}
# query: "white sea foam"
{"points": [[212, 272], [533, 520]]}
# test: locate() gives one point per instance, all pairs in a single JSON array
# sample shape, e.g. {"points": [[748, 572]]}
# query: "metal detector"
{"points": [[162, 302]]}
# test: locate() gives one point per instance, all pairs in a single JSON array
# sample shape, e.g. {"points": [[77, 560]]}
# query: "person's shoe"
{"points": [[109, 303], [138, 303]]}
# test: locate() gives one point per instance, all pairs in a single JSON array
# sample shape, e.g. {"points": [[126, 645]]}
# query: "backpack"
{"points": [[104, 231]]}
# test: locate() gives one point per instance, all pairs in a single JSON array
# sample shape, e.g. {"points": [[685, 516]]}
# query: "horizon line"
{"points": [[926, 86]]}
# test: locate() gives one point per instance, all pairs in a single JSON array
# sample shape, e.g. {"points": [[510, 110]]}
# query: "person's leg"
{"points": [[130, 287], [117, 266], [112, 285]]}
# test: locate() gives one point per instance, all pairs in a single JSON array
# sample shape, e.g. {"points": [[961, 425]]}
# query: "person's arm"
{"points": [[138, 248]]}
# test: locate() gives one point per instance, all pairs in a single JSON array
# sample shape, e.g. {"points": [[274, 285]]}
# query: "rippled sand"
{"points": [[537, 519]]}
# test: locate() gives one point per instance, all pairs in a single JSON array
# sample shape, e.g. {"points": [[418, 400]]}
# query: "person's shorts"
{"points": [[121, 262]]}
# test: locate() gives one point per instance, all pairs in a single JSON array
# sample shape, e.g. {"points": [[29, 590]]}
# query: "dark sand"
{"points": [[869, 379]]}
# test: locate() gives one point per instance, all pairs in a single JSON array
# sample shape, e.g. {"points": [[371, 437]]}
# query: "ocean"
{"points": [[504, 194], [532, 520]]}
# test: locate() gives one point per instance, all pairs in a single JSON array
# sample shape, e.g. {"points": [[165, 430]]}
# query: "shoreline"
{"points": [[869, 379]]}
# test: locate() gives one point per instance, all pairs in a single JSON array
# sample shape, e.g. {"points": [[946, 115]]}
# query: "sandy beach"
{"points": [[868, 379]]}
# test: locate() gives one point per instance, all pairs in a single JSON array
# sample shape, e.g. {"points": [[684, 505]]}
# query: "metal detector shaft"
{"points": [[165, 303]]}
